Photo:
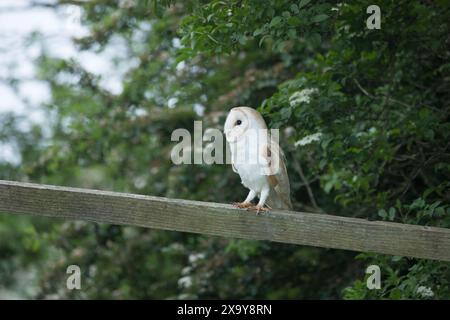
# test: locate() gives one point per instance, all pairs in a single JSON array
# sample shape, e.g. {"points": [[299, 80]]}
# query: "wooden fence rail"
{"points": [[320, 230]]}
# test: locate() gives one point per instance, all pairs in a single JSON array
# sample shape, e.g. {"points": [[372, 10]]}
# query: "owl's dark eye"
{"points": [[238, 122]]}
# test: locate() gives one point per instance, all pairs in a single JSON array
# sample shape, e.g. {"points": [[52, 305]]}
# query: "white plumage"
{"points": [[258, 160]]}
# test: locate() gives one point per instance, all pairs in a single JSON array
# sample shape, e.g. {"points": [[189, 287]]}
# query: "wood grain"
{"points": [[217, 219]]}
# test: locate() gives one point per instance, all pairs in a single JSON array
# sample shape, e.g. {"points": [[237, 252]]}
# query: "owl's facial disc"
{"points": [[235, 125]]}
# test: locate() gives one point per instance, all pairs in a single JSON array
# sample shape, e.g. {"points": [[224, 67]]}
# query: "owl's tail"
{"points": [[275, 201]]}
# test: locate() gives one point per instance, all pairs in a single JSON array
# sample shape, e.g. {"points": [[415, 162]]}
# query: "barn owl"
{"points": [[258, 159]]}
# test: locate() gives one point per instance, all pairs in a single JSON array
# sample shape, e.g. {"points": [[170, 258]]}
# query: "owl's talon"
{"points": [[258, 209], [261, 208], [242, 205]]}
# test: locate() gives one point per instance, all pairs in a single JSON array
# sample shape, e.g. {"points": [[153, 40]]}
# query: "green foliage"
{"points": [[364, 118], [222, 27], [403, 278]]}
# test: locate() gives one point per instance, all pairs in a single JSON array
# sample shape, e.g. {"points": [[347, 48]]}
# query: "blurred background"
{"points": [[90, 92]]}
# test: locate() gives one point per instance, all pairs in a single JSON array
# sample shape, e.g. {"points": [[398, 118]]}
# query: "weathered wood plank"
{"points": [[301, 228]]}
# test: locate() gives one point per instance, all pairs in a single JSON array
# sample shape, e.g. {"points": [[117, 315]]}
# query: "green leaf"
{"points": [[427, 192], [316, 39], [319, 18], [242, 39], [294, 8], [303, 3], [382, 213], [262, 39], [440, 211], [391, 213], [294, 21], [292, 34], [395, 294], [286, 14], [418, 203], [286, 113], [258, 31], [328, 186], [275, 21]]}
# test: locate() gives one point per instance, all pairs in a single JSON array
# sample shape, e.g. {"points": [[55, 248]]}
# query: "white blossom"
{"points": [[338, 6], [186, 270], [308, 139], [194, 257], [303, 96], [185, 282], [126, 4], [425, 292]]}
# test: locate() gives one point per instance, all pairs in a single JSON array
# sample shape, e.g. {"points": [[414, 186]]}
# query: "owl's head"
{"points": [[240, 120]]}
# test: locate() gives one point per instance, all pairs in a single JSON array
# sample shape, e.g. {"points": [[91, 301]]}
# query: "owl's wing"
{"points": [[279, 197]]}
